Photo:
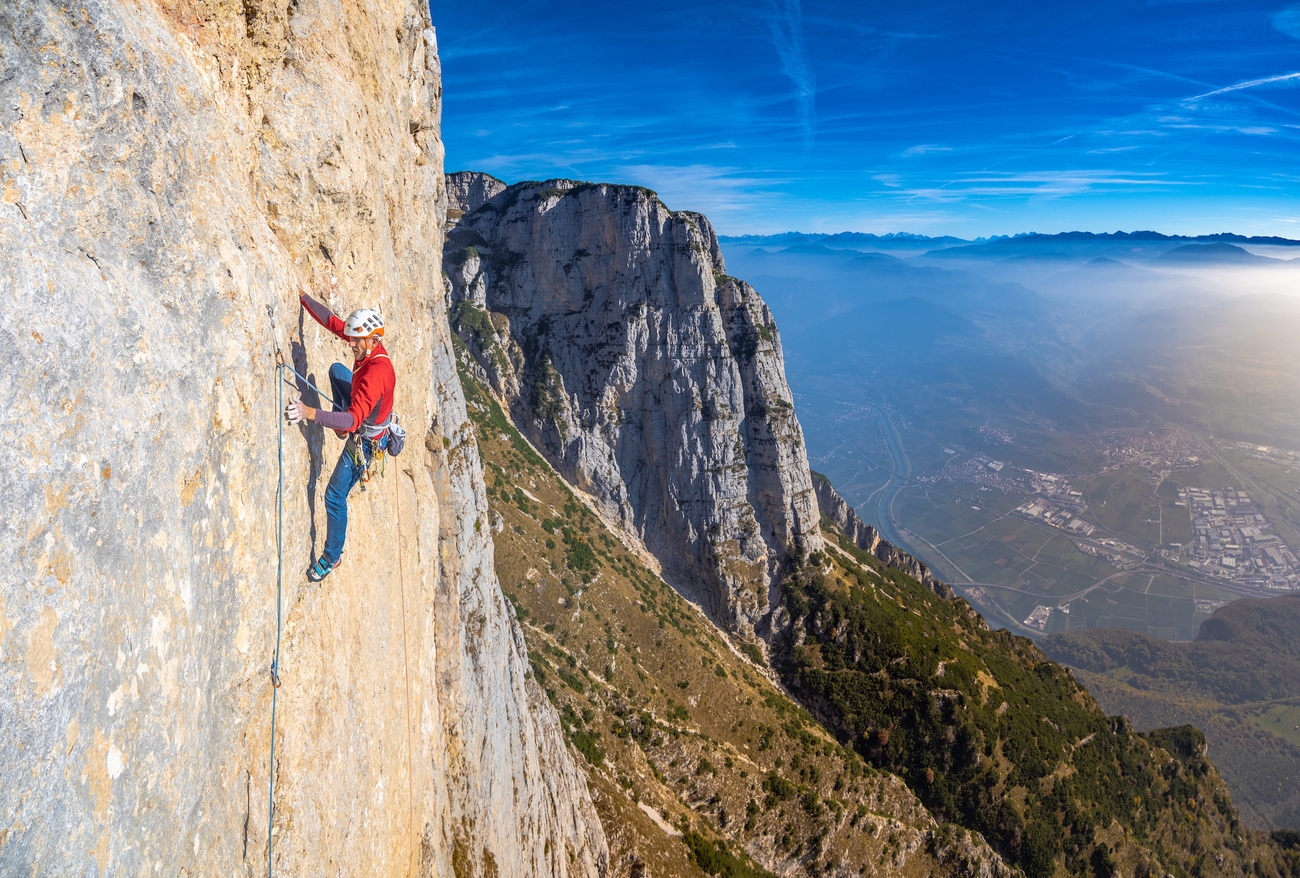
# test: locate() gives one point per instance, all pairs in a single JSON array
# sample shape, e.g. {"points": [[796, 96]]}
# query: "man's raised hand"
{"points": [[295, 412]]}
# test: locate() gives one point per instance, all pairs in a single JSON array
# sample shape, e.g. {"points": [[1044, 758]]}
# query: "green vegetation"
{"points": [[1282, 720], [986, 731], [1239, 682], [489, 415], [733, 760], [609, 651], [459, 257], [1261, 768], [585, 742], [1247, 651], [547, 393], [579, 557], [475, 321], [475, 325], [715, 858]]}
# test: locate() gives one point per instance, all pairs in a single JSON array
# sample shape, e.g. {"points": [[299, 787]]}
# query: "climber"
{"points": [[365, 393]]}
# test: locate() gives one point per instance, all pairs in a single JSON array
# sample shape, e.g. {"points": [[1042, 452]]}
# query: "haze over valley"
{"points": [[1074, 430]]}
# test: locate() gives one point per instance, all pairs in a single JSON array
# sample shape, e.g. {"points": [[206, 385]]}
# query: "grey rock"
{"points": [[648, 377], [468, 190], [867, 538], [170, 172], [965, 853]]}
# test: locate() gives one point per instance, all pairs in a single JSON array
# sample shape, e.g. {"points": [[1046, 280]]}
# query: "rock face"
{"points": [[650, 378], [466, 190], [173, 174], [867, 538]]}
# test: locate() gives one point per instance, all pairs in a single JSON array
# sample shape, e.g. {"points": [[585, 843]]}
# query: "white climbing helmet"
{"points": [[363, 323]]}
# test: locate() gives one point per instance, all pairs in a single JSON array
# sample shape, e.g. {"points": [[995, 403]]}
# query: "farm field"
{"points": [[1282, 720], [954, 496]]}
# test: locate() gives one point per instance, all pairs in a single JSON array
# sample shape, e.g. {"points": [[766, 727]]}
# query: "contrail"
{"points": [[1249, 84], [787, 38]]}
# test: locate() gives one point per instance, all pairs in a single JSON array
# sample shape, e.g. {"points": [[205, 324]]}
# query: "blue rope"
{"points": [[307, 381], [279, 584]]}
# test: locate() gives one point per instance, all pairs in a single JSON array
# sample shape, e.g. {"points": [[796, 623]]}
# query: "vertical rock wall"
{"points": [[466, 190], [649, 377], [171, 171]]}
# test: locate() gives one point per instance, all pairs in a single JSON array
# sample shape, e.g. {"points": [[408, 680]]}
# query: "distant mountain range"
{"points": [[908, 241], [848, 240]]}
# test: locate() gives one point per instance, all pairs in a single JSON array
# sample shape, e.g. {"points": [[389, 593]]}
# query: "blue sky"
{"points": [[938, 118]]}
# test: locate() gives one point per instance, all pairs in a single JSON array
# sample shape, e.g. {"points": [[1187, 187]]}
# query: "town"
{"points": [[1233, 541]]}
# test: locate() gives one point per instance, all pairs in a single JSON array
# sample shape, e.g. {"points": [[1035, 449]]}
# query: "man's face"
{"points": [[360, 347]]}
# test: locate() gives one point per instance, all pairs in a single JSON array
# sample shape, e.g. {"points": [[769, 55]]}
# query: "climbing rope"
{"points": [[281, 380], [304, 379], [406, 664], [279, 590]]}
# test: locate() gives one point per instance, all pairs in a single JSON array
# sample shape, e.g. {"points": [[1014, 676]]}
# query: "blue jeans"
{"points": [[347, 472]]}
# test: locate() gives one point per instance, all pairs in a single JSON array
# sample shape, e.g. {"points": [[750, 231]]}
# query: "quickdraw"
{"points": [[376, 463]]}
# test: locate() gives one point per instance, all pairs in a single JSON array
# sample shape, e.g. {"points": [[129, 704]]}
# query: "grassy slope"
{"points": [[667, 717], [985, 731]]}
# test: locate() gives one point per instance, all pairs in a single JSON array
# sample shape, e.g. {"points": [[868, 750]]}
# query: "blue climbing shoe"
{"points": [[321, 569]]}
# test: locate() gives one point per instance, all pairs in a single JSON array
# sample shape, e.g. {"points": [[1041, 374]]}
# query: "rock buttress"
{"points": [[170, 171], [466, 190], [650, 378]]}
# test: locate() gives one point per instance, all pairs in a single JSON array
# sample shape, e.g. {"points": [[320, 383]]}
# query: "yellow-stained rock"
{"points": [[174, 174]]}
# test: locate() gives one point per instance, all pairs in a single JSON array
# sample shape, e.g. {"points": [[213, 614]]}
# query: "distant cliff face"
{"points": [[649, 377], [867, 538], [170, 171], [466, 190]]}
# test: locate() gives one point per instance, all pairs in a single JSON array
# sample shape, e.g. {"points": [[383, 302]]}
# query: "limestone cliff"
{"points": [[867, 538], [173, 173], [650, 378], [466, 190]]}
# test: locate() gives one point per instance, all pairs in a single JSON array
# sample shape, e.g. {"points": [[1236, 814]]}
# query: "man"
{"points": [[363, 398]]}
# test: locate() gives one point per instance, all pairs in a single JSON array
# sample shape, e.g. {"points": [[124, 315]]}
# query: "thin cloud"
{"points": [[786, 27], [923, 148], [889, 111], [1288, 22], [725, 194], [1036, 185], [1253, 83]]}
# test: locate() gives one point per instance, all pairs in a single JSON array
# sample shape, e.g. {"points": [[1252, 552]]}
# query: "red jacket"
{"points": [[373, 379]]}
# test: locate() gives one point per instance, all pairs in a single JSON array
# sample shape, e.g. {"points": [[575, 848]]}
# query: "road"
{"points": [[898, 479], [882, 510]]}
